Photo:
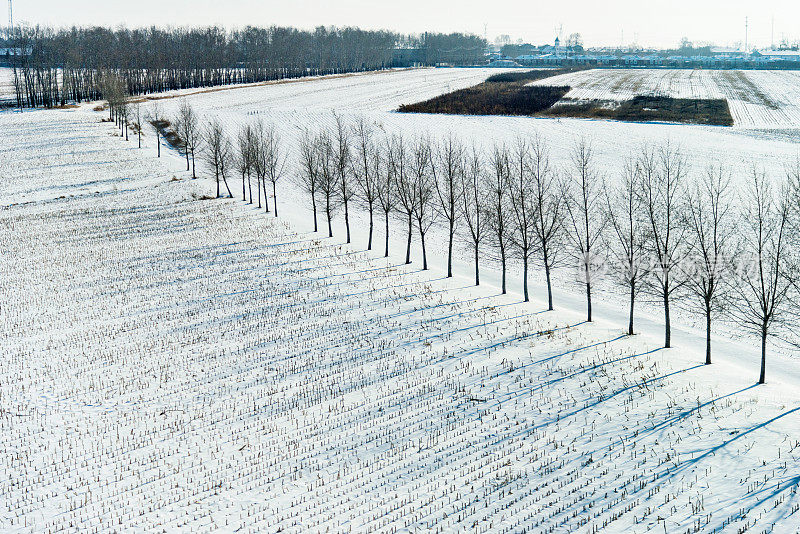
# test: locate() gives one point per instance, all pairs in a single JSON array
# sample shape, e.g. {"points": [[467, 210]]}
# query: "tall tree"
{"points": [[498, 217], [522, 201], [343, 165], [217, 152], [585, 215], [762, 306], [308, 175], [367, 170], [475, 205], [711, 244], [447, 168], [627, 241], [663, 192], [548, 201], [424, 197]]}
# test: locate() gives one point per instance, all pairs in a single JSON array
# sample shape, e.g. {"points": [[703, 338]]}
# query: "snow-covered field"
{"points": [[757, 99], [175, 363], [6, 84]]}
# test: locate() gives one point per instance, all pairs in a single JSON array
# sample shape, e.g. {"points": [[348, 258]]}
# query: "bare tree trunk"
{"points": [[347, 220], [371, 228], [763, 378], [477, 272], [708, 332], [408, 244], [424, 252], [503, 263], [274, 199], [588, 299], [630, 318], [328, 213], [386, 221], [450, 251], [314, 210], [667, 330], [549, 285], [525, 277]]}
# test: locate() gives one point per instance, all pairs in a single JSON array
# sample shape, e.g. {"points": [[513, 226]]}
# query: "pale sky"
{"points": [[652, 23]]}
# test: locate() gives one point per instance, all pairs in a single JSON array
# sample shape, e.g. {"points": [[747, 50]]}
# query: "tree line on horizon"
{"points": [[64, 65]]}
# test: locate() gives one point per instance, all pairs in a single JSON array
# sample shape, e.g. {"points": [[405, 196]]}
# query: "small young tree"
{"points": [[217, 153], [447, 168], [424, 201], [474, 210], [308, 175], [711, 244], [586, 220], [497, 212], [627, 241], [663, 197], [367, 171], [764, 288]]}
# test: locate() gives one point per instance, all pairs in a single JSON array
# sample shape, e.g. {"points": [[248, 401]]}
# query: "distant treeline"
{"points": [[57, 66]]}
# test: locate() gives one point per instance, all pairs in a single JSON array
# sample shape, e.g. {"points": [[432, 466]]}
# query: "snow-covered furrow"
{"points": [[173, 362]]}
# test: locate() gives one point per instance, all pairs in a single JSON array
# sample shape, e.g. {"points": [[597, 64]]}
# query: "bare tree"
{"points": [[386, 190], [367, 171], [521, 194], [404, 187], [328, 179], [585, 215], [136, 115], [712, 232], [498, 219], [308, 176], [156, 119], [268, 161], [763, 292], [663, 198], [447, 169], [548, 202], [260, 154], [474, 209], [218, 152], [244, 159], [627, 241], [343, 166], [188, 129], [424, 196], [275, 161]]}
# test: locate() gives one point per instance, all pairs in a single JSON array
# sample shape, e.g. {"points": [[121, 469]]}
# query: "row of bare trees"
{"points": [[56, 66], [682, 238], [661, 232]]}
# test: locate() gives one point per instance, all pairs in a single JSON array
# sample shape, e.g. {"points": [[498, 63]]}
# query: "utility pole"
{"points": [[745, 34]]}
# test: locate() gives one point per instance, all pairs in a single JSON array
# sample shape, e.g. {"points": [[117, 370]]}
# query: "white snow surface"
{"points": [[757, 99], [174, 363]]}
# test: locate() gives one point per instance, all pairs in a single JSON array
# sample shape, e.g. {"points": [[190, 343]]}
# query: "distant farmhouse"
{"points": [[528, 55]]}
